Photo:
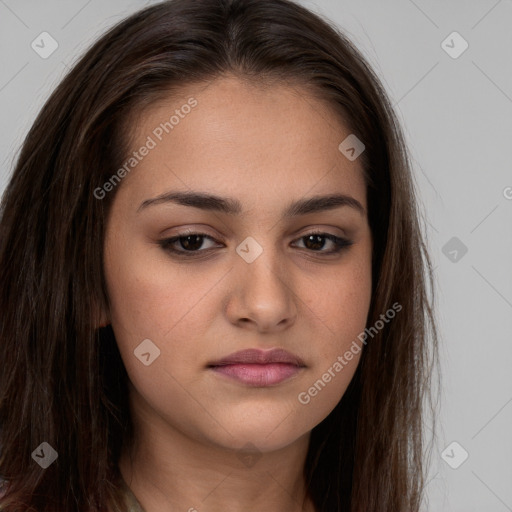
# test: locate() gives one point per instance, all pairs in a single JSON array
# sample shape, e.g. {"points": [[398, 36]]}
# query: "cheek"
{"points": [[341, 307], [340, 303], [337, 353], [340, 310], [148, 295], [151, 298], [138, 300]]}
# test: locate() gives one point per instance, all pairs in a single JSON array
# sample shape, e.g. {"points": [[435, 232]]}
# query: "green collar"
{"points": [[131, 501]]}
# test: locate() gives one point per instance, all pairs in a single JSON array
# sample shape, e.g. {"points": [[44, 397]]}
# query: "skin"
{"points": [[266, 147]]}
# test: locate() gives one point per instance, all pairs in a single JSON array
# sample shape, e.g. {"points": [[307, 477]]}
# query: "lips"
{"points": [[256, 356], [258, 368]]}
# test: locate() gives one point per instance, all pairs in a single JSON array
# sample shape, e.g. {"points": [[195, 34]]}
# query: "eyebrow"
{"points": [[210, 202]]}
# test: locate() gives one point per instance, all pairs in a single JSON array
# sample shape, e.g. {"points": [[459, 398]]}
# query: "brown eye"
{"points": [[190, 242], [316, 242]]}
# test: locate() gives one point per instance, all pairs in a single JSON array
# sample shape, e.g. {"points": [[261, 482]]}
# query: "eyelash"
{"points": [[167, 244]]}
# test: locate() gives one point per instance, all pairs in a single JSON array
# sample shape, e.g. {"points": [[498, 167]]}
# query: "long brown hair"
{"points": [[57, 386]]}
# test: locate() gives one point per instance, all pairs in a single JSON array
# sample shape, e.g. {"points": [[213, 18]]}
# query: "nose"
{"points": [[262, 296]]}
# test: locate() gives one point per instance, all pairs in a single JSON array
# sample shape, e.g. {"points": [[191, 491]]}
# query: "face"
{"points": [[192, 281]]}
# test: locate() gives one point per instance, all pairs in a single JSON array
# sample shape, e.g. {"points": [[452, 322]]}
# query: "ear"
{"points": [[103, 322], [101, 317]]}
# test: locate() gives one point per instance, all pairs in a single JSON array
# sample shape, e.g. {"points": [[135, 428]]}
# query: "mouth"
{"points": [[259, 368]]}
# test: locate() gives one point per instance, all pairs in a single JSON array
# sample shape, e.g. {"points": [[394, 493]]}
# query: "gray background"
{"points": [[457, 116]]}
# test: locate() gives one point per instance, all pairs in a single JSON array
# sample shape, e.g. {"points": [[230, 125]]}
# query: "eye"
{"points": [[189, 242], [316, 241], [192, 243]]}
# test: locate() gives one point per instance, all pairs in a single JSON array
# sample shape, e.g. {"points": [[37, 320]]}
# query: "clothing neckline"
{"points": [[131, 501]]}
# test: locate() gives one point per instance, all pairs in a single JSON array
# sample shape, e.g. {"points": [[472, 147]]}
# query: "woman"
{"points": [[285, 365]]}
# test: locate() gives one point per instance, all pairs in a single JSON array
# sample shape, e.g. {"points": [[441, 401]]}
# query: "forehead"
{"points": [[245, 140]]}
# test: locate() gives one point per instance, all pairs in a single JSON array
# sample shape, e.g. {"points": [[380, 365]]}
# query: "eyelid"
{"points": [[299, 233], [341, 243]]}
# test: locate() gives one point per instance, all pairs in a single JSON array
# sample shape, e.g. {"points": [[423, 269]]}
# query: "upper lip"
{"points": [[258, 356]]}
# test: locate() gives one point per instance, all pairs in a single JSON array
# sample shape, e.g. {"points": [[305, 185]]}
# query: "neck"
{"points": [[167, 469]]}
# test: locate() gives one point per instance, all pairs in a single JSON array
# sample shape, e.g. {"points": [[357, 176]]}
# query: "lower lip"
{"points": [[258, 375]]}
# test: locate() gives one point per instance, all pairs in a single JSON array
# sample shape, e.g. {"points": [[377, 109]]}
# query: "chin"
{"points": [[265, 434]]}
